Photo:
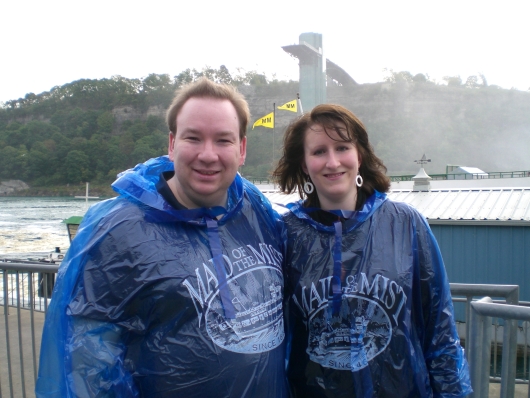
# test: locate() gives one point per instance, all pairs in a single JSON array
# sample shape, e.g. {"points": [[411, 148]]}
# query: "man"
{"points": [[175, 287]]}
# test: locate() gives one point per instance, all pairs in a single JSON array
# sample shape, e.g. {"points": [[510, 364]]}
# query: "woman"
{"points": [[370, 311]]}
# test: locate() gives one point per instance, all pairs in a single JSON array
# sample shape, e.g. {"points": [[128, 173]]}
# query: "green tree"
{"points": [[13, 162], [419, 78], [159, 89], [397, 77], [154, 123], [105, 123], [77, 167], [453, 81], [40, 162]]}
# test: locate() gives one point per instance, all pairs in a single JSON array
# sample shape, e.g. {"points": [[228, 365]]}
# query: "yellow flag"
{"points": [[290, 106], [265, 121]]}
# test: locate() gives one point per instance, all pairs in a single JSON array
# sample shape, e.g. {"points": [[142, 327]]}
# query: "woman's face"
{"points": [[333, 165]]}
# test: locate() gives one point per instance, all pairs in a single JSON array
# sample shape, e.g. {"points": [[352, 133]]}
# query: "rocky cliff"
{"points": [[11, 186]]}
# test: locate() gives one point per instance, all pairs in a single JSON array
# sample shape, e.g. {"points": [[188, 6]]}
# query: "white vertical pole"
{"points": [[300, 103], [273, 131]]}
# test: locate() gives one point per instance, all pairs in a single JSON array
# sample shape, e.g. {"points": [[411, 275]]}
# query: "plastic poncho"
{"points": [[142, 308], [370, 313]]}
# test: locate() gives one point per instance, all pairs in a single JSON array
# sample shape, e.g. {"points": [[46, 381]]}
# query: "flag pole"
{"points": [[299, 103], [273, 131]]}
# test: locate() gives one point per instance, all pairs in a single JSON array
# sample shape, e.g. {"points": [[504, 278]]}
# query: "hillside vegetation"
{"points": [[90, 130]]}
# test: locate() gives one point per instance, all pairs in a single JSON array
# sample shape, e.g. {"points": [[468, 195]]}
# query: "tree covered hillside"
{"points": [[89, 130]]}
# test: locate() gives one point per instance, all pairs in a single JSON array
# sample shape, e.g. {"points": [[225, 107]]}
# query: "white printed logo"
{"points": [[255, 281], [361, 330], [350, 339]]}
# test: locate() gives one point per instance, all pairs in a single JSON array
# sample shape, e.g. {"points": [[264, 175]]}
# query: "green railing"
{"points": [[478, 176], [408, 177]]}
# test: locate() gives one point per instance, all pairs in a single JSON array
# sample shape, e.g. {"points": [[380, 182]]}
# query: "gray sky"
{"points": [[48, 43]]}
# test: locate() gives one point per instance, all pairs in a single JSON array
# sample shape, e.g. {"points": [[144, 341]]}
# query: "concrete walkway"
{"points": [[27, 352], [521, 390]]}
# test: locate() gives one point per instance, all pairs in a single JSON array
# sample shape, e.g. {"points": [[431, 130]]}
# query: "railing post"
{"points": [[509, 350], [20, 341], [469, 299], [509, 358], [479, 351], [8, 348], [32, 320]]}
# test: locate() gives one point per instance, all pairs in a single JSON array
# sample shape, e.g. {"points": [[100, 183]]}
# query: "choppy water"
{"points": [[35, 225]]}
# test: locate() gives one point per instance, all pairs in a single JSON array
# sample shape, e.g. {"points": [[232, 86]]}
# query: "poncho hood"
{"points": [[353, 219], [139, 184]]}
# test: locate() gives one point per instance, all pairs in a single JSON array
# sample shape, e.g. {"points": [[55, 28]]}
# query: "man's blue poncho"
{"points": [[153, 301], [371, 312]]}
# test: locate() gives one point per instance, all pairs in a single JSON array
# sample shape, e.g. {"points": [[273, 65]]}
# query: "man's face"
{"points": [[206, 151]]}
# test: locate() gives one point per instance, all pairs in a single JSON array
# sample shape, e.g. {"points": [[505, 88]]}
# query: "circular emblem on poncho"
{"points": [[258, 325], [351, 338]]}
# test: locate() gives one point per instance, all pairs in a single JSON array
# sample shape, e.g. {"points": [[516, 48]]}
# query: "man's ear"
{"points": [[243, 151], [171, 146]]}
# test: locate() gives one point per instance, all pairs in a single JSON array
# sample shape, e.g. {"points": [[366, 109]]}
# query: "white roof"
{"points": [[467, 170], [487, 204], [442, 206]]}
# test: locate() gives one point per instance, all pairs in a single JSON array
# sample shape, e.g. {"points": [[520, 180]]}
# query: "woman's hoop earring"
{"points": [[308, 187], [359, 180]]}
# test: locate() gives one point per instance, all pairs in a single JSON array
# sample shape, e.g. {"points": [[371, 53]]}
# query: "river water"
{"points": [[32, 227]]}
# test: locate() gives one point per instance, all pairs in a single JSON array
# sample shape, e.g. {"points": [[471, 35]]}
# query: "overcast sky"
{"points": [[48, 43]]}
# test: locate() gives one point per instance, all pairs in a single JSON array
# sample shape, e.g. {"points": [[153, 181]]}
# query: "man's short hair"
{"points": [[205, 88]]}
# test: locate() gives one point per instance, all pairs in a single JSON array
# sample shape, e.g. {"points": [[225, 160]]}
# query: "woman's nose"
{"points": [[333, 161]]}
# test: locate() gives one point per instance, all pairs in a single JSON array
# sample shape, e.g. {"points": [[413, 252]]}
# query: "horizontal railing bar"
{"points": [[464, 300], [29, 267], [504, 311], [465, 289]]}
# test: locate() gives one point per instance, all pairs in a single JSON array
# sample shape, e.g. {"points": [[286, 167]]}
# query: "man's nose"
{"points": [[208, 152]]}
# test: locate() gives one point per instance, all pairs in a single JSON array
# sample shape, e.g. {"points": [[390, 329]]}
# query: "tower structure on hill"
{"points": [[315, 70]]}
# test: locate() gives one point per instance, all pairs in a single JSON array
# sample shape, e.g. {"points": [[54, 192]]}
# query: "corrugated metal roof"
{"points": [[509, 205], [499, 204]]}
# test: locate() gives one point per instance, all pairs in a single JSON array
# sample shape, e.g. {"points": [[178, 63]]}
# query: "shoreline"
{"points": [[24, 190]]}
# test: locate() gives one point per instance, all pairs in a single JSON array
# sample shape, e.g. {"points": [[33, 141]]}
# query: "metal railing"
{"points": [[26, 287], [408, 177], [25, 291], [479, 351], [478, 346], [468, 176]]}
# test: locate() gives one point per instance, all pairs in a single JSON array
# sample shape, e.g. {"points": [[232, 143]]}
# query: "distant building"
{"points": [[465, 173]]}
